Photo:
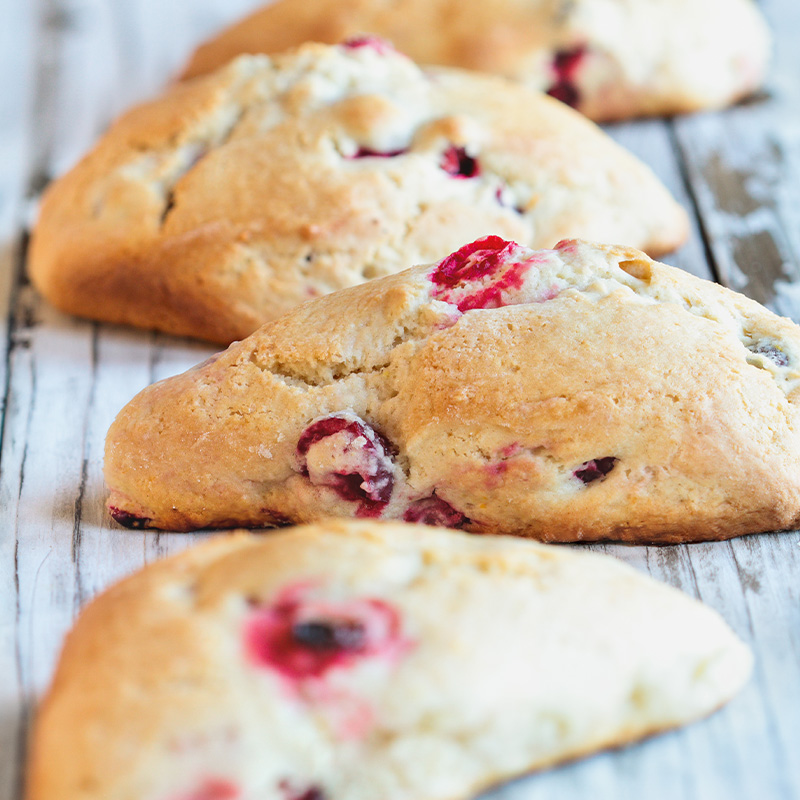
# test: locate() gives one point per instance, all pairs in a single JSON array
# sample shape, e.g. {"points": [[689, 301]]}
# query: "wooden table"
{"points": [[68, 66]]}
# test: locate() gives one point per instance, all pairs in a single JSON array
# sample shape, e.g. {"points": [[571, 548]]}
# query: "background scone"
{"points": [[609, 58], [580, 393], [355, 661], [232, 199]]}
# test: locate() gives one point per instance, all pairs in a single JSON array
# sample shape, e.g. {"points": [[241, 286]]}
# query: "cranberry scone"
{"points": [[226, 202], [580, 393], [364, 660], [611, 59]]}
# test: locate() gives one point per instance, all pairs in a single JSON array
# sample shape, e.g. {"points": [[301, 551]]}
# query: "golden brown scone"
{"points": [[580, 393], [611, 59], [228, 201], [368, 661]]}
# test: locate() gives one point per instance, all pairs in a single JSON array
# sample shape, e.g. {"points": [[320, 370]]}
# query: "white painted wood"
{"points": [[15, 101], [66, 68]]}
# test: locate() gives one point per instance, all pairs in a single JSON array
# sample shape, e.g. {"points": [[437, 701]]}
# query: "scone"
{"points": [[229, 201], [609, 58], [580, 393], [368, 661]]}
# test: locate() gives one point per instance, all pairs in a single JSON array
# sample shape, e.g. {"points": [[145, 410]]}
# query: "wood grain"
{"points": [[67, 68]]}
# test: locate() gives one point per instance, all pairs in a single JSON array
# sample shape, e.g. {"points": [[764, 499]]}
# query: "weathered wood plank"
{"points": [[744, 166], [16, 37], [653, 142], [65, 379]]}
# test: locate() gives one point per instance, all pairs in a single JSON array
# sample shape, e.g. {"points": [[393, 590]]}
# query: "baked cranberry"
{"points": [[377, 44], [456, 162], [435, 511], [359, 461], [595, 469], [326, 635], [489, 264], [472, 261], [215, 789], [566, 64], [773, 353], [127, 519], [303, 638], [365, 152], [566, 92], [291, 792]]}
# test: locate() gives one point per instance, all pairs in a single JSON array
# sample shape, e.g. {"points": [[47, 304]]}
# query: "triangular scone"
{"points": [[230, 200], [359, 660], [609, 58], [580, 393]]}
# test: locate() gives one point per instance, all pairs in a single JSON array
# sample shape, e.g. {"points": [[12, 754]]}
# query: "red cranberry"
{"points": [[215, 789], [435, 511], [377, 44], [457, 163], [774, 354], [595, 469], [566, 92], [474, 263], [566, 64], [127, 519], [290, 792], [302, 638], [365, 473], [365, 152]]}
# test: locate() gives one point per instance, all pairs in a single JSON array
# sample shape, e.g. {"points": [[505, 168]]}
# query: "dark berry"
{"points": [[595, 469], [566, 64], [290, 792], [127, 519], [435, 511], [302, 638], [457, 163], [367, 476], [330, 635], [365, 152], [566, 92], [773, 353]]}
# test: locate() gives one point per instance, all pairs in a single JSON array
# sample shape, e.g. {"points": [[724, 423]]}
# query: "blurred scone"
{"points": [[230, 200], [580, 393], [609, 58], [366, 661]]}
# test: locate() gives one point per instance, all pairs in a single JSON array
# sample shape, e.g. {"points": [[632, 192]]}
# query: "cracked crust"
{"points": [[637, 56], [597, 395], [229, 201], [512, 657]]}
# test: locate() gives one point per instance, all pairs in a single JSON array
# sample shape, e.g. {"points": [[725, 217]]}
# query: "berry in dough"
{"points": [[276, 180], [611, 59], [363, 660], [579, 393]]}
